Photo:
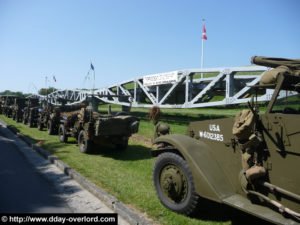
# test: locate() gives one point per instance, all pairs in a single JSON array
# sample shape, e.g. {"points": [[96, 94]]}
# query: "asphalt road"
{"points": [[22, 188]]}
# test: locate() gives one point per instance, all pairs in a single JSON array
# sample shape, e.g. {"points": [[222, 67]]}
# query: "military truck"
{"points": [[250, 162], [2, 100], [31, 112], [91, 128], [18, 109], [8, 105]]}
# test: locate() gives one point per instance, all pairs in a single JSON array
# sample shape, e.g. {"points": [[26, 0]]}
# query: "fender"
{"points": [[209, 178]]}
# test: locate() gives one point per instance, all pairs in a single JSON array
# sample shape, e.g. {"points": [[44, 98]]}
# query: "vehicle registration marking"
{"points": [[211, 133]]}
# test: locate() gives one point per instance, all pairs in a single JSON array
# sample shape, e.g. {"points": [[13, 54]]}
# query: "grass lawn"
{"points": [[128, 174]]}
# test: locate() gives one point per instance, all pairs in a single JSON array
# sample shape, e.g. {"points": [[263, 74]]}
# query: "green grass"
{"points": [[178, 119]]}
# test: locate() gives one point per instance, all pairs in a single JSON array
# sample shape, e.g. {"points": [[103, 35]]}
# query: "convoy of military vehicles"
{"points": [[78, 121], [250, 162]]}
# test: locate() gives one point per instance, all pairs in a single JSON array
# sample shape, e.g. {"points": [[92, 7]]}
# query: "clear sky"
{"points": [[130, 38]]}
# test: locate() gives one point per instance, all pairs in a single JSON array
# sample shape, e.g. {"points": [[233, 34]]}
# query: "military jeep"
{"points": [[51, 115], [44, 115], [250, 162], [31, 112], [8, 105], [91, 128]]}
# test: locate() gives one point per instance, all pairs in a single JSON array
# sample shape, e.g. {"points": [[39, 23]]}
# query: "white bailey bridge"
{"points": [[191, 88]]}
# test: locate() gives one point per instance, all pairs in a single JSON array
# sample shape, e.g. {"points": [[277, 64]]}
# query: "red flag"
{"points": [[204, 32]]}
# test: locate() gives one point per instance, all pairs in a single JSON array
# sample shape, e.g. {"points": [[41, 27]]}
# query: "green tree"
{"points": [[45, 91], [8, 92]]}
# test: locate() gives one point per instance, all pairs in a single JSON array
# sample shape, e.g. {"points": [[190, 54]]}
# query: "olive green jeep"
{"points": [[250, 162]]}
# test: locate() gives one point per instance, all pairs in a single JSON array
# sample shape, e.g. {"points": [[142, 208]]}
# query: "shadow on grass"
{"points": [[132, 153], [212, 211]]}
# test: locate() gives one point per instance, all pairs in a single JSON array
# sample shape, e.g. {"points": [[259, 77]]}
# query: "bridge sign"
{"points": [[160, 78]]}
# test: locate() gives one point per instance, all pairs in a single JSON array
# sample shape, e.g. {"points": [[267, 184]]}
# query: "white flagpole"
{"points": [[202, 53], [202, 57]]}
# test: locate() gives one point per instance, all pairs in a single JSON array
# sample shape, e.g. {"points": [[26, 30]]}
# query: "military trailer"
{"points": [[250, 162], [31, 112], [18, 109], [91, 128]]}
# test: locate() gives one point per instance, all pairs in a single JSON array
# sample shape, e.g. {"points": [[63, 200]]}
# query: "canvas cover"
{"points": [[243, 126], [270, 77], [280, 65], [116, 125], [293, 64]]}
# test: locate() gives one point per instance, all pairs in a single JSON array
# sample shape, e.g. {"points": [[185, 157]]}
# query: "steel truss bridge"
{"points": [[194, 88]]}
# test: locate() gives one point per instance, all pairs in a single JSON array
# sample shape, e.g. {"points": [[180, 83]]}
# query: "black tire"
{"points": [[24, 120], [50, 127], [174, 183], [40, 126], [62, 134], [122, 146], [30, 123], [84, 144]]}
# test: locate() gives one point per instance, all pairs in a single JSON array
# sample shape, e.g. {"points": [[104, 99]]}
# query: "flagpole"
{"points": [[202, 54]]}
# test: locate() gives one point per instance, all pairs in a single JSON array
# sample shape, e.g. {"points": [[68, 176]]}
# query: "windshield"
{"points": [[287, 102]]}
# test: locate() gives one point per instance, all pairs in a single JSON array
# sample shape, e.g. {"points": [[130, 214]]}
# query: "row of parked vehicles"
{"points": [[79, 121]]}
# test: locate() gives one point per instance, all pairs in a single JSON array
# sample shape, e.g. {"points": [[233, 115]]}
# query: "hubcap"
{"points": [[173, 183], [81, 141]]}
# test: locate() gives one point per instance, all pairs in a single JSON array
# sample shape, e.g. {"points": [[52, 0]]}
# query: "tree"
{"points": [[8, 92], [45, 91]]}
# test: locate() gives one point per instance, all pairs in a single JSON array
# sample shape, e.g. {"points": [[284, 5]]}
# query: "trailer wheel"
{"points": [[174, 183], [122, 146], [62, 134], [84, 144], [50, 128]]}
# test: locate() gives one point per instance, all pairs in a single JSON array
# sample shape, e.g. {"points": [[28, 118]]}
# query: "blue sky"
{"points": [[130, 38]]}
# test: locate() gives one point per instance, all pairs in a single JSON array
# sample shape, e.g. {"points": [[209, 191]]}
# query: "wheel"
{"points": [[13, 116], [62, 134], [174, 183], [123, 145], [84, 144], [40, 126], [30, 122], [50, 129], [24, 120]]}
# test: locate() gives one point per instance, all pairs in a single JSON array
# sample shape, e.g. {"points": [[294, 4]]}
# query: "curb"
{"points": [[112, 202]]}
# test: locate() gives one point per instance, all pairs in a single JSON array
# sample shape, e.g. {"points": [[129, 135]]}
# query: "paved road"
{"points": [[30, 184], [22, 188]]}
